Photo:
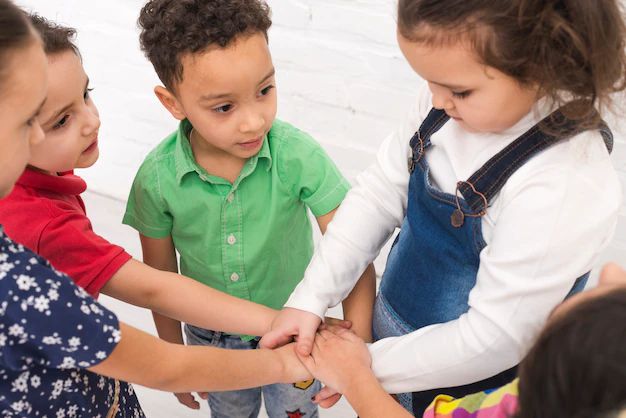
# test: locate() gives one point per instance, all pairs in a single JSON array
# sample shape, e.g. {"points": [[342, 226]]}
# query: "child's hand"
{"points": [[338, 358], [327, 397], [188, 399], [294, 370], [291, 323]]}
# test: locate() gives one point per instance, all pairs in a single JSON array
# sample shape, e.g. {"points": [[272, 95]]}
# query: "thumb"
{"points": [[274, 339], [304, 342]]}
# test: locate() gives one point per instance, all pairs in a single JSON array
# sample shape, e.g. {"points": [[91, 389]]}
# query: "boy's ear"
{"points": [[170, 102]]}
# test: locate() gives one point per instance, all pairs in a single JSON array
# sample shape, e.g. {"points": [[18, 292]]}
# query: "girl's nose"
{"points": [[92, 123]]}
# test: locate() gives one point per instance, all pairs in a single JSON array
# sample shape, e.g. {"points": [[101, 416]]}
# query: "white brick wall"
{"points": [[340, 75]]}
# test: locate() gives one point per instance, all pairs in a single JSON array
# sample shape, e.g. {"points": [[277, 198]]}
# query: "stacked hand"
{"points": [[331, 352]]}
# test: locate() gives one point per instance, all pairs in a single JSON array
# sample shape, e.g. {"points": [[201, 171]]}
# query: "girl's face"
{"points": [[69, 118], [23, 92], [479, 98]]}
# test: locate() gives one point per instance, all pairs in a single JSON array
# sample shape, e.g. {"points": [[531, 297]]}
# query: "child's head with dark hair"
{"points": [[171, 29], [214, 61], [577, 367], [69, 116], [56, 38], [571, 50]]}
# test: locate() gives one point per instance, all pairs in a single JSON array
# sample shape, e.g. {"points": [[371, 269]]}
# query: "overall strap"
{"points": [[485, 183], [435, 119]]}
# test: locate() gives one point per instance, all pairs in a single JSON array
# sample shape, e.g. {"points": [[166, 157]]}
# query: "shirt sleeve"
{"points": [[549, 226], [309, 172], [367, 217], [500, 403], [70, 244], [47, 320], [146, 210]]}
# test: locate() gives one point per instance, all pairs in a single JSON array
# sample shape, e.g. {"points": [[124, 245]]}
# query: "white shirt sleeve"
{"points": [[550, 225], [367, 217]]}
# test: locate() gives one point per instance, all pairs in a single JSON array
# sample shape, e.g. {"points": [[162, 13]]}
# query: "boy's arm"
{"points": [[184, 299], [359, 304]]}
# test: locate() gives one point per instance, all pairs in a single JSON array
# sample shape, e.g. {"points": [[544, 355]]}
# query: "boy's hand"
{"points": [[188, 399], [290, 323]]}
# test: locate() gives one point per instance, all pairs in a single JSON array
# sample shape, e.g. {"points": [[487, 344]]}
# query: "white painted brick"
{"points": [[341, 77]]}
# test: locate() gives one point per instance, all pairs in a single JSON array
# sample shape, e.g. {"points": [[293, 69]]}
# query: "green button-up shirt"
{"points": [[251, 239]]}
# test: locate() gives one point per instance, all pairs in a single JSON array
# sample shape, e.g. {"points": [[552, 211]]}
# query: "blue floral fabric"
{"points": [[50, 332]]}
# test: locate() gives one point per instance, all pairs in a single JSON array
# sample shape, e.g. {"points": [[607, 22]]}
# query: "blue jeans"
{"points": [[281, 400]]}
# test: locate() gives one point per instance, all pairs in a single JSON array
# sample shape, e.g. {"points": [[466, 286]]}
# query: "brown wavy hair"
{"points": [[56, 38], [172, 28], [573, 50]]}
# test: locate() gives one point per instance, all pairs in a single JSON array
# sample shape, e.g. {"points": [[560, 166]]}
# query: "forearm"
{"points": [[162, 292], [444, 355], [168, 329], [359, 304], [146, 360], [369, 399], [208, 308], [359, 229]]}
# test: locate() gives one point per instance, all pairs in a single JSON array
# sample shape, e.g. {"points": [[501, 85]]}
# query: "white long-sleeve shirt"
{"points": [[545, 228]]}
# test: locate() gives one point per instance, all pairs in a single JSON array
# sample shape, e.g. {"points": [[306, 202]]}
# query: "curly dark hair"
{"points": [[577, 367], [56, 38], [572, 49], [172, 28]]}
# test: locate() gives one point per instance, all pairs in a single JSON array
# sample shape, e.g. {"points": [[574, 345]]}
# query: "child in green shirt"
{"points": [[230, 189]]}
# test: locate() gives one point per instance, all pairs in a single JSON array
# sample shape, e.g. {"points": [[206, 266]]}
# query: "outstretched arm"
{"points": [[146, 360], [179, 297]]}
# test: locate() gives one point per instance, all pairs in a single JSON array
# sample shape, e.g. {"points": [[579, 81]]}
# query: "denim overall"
{"points": [[433, 262]]}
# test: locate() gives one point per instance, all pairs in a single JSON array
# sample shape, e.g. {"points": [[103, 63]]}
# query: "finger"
{"points": [[326, 334], [343, 323], [188, 400], [274, 339], [330, 401], [203, 395], [304, 342]]}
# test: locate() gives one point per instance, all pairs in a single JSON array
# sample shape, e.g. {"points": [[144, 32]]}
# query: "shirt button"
{"points": [[230, 198], [234, 277], [231, 239]]}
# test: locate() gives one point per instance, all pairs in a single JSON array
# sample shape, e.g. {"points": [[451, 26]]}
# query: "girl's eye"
{"points": [[461, 94], [61, 123], [87, 94], [266, 90], [223, 109]]}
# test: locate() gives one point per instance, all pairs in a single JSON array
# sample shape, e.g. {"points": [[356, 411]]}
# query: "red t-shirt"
{"points": [[46, 214]]}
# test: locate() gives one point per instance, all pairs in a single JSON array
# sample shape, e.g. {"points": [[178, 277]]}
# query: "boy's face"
{"points": [[24, 88], [477, 97], [69, 118], [228, 95]]}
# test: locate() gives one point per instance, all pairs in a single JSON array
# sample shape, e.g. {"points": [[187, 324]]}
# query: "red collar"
{"points": [[64, 183]]}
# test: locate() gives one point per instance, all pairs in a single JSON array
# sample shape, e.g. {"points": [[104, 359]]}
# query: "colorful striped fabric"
{"points": [[498, 403]]}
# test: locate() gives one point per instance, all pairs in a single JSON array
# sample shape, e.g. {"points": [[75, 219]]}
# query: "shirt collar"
{"points": [[185, 162], [64, 183]]}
